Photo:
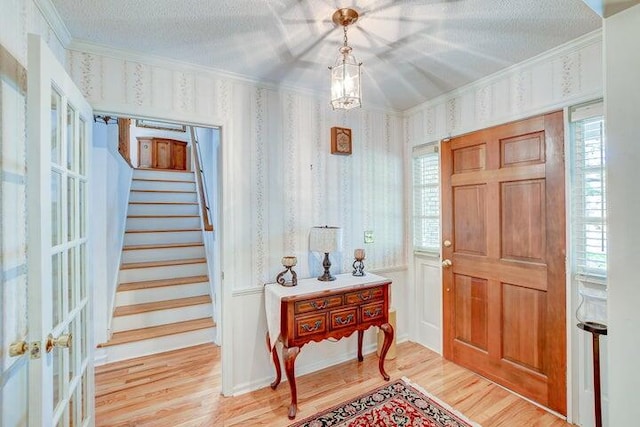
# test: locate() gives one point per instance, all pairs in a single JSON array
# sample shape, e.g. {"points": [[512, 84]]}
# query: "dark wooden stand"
{"points": [[596, 330], [330, 314]]}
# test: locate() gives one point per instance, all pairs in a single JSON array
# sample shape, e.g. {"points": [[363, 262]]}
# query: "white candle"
{"points": [[289, 261], [358, 254]]}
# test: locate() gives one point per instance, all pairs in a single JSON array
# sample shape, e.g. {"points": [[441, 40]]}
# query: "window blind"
{"points": [[426, 198], [588, 194]]}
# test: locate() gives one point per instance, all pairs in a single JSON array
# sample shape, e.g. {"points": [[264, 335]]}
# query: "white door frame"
{"points": [[224, 216]]}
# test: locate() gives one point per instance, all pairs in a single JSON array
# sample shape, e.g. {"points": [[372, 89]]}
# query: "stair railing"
{"points": [[202, 183]]}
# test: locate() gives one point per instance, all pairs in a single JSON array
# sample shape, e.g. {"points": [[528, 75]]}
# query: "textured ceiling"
{"points": [[412, 51]]}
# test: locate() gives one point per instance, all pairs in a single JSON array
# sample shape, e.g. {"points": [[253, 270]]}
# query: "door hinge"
{"points": [[34, 350], [222, 275]]}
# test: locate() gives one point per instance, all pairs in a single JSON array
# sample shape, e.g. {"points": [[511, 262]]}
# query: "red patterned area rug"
{"points": [[399, 403]]}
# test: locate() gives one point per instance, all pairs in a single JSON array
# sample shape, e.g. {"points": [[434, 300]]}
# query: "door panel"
{"points": [[162, 154], [145, 153], [523, 216], [504, 293], [179, 156], [471, 308], [470, 235]]}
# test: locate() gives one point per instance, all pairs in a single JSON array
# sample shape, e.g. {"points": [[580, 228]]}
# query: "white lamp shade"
{"points": [[325, 239]]}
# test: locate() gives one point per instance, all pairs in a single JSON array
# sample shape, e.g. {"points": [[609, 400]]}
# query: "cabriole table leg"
{"points": [[276, 362], [290, 354], [388, 339]]}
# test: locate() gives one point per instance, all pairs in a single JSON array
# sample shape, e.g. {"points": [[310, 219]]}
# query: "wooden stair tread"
{"points": [[162, 191], [149, 284], [162, 246], [162, 180], [179, 230], [158, 331], [127, 310], [163, 170], [131, 265], [163, 216], [163, 203]]}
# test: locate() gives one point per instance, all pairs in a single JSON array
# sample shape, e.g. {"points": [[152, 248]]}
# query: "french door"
{"points": [[59, 124], [503, 235]]}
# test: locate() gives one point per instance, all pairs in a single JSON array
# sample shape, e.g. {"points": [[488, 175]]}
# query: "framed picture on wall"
{"points": [[340, 141], [152, 124]]}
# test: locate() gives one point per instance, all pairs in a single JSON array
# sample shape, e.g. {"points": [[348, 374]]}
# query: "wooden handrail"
{"points": [[203, 202]]}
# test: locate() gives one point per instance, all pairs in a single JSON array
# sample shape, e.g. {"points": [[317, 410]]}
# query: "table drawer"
{"points": [[364, 295], [343, 318], [372, 312], [311, 325], [316, 304]]}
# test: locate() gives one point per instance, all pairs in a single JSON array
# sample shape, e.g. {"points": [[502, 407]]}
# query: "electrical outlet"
{"points": [[368, 236]]}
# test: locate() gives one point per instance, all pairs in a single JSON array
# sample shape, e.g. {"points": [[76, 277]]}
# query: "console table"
{"points": [[315, 311]]}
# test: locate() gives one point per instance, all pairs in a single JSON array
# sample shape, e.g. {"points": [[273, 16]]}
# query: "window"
{"points": [[426, 198]]}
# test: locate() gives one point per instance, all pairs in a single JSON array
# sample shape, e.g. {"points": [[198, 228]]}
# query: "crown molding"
{"points": [[571, 46], [51, 15], [165, 62]]}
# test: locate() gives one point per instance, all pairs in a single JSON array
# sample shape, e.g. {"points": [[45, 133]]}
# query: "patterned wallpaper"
{"points": [[564, 76], [280, 173]]}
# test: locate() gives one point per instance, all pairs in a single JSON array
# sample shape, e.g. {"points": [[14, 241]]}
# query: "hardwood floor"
{"points": [[182, 388]]}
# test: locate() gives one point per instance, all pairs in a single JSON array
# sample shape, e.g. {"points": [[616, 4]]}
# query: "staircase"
{"points": [[163, 299]]}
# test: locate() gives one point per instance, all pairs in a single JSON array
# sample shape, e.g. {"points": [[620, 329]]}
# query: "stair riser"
{"points": [[141, 296], [169, 223], [164, 254], [162, 175], [163, 185], [159, 209], [162, 238], [165, 272], [159, 345], [142, 196], [161, 317]]}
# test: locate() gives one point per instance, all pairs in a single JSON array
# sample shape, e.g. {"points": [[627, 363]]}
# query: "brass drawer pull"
{"points": [[312, 329], [324, 304], [367, 297], [341, 321], [368, 313]]}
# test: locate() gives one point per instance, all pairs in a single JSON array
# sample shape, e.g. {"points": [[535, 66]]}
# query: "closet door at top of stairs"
{"points": [[504, 271]]}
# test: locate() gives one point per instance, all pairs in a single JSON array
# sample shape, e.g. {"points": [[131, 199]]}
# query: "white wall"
{"points": [[564, 76], [279, 180], [17, 19], [110, 184], [209, 142], [622, 98]]}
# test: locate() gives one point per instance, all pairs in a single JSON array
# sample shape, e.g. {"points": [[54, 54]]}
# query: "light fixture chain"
{"points": [[345, 36]]}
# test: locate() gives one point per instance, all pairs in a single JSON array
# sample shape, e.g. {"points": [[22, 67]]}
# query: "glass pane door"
{"points": [[61, 377]]}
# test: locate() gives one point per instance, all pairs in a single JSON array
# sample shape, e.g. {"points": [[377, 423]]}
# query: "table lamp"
{"points": [[325, 240]]}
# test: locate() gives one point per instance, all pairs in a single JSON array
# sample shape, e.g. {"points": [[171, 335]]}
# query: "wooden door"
{"points": [[179, 155], [504, 271], [60, 314], [162, 154], [145, 152]]}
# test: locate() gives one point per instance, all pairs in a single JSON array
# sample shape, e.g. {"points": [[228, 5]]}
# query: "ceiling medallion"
{"points": [[345, 73]]}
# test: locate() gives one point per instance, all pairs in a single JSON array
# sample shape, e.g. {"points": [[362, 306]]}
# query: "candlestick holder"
{"points": [[288, 262], [358, 265]]}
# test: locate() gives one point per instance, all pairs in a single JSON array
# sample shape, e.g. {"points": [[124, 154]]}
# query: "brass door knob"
{"points": [[63, 341], [447, 263], [447, 243], [18, 348]]}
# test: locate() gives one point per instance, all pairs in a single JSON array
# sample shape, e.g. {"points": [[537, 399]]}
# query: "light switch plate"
{"points": [[368, 236]]}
